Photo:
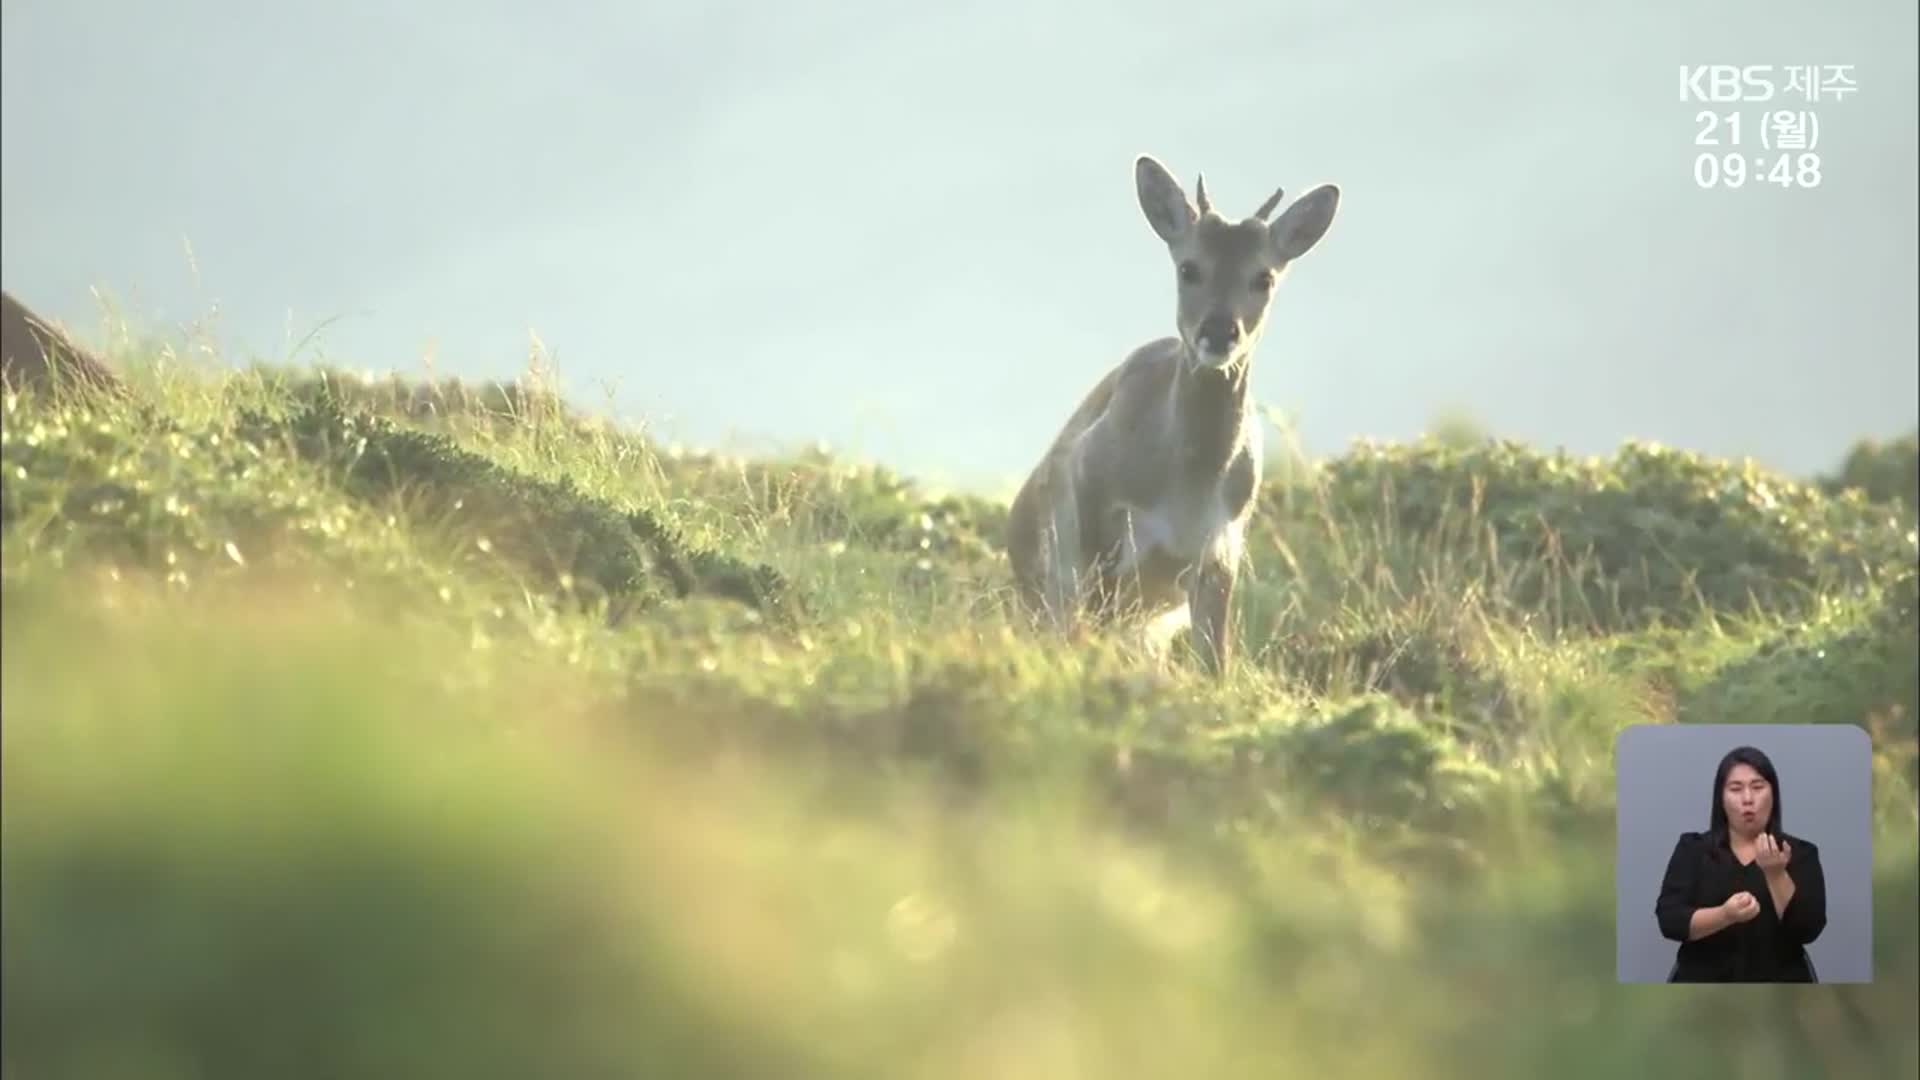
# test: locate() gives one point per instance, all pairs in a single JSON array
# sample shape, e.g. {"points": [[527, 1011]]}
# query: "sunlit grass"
{"points": [[468, 736]]}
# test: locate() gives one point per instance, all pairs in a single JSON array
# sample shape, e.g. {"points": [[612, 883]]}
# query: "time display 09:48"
{"points": [[1734, 169]]}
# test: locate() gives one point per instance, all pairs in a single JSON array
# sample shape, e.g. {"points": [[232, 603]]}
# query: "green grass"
{"points": [[394, 729]]}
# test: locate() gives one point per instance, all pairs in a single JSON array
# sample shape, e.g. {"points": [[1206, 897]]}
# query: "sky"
{"points": [[911, 231]]}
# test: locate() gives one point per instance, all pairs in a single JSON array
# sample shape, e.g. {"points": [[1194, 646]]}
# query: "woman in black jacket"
{"points": [[1743, 898]]}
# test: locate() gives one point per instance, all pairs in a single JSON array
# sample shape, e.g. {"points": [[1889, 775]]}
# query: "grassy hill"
{"points": [[386, 728]]}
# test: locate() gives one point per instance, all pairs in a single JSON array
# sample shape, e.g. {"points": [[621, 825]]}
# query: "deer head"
{"points": [[1226, 270]]}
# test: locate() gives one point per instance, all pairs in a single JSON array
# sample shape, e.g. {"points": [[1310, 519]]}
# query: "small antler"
{"points": [[1266, 208], [1200, 193]]}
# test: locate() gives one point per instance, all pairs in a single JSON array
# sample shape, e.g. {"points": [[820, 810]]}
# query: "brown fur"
{"points": [[35, 354], [1140, 504]]}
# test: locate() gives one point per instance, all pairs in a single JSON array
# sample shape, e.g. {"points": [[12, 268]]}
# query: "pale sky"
{"points": [[911, 231]]}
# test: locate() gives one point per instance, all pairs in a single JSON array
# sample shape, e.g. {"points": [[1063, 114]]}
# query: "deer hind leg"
{"points": [[1157, 632], [1137, 593], [1064, 581]]}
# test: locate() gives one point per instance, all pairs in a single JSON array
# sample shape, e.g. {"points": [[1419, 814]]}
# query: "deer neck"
{"points": [[1210, 409]]}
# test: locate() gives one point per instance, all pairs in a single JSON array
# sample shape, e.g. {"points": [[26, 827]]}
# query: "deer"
{"points": [[1140, 505], [36, 353]]}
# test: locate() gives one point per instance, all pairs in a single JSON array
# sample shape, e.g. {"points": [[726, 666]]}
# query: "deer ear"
{"points": [[1162, 200], [1303, 224]]}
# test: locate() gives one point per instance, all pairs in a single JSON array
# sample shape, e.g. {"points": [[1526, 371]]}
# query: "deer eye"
{"points": [[1189, 273], [1262, 281]]}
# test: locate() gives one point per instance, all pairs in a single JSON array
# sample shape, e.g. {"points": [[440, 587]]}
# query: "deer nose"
{"points": [[1218, 333]]}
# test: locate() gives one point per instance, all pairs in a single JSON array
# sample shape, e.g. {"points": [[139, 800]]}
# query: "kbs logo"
{"points": [[1726, 82]]}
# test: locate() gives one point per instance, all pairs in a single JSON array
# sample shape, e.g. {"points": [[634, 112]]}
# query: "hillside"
{"points": [[385, 727]]}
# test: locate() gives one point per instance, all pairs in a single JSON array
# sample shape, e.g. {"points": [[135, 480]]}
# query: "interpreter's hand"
{"points": [[1741, 907], [1771, 854]]}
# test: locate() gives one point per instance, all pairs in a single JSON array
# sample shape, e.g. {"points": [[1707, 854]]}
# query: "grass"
{"points": [[382, 728]]}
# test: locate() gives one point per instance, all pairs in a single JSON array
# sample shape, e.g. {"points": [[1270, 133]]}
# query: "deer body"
{"points": [[1140, 505]]}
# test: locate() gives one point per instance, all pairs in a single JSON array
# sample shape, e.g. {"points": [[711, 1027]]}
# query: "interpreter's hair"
{"points": [[1718, 829]]}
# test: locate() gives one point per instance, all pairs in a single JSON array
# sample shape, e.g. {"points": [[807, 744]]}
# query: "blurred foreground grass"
{"points": [[381, 730]]}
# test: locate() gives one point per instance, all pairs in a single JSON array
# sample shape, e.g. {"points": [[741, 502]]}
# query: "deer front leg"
{"points": [[1209, 600]]}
